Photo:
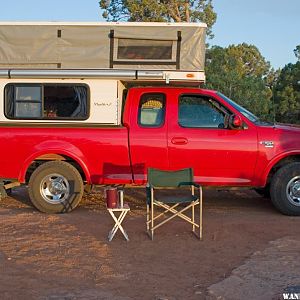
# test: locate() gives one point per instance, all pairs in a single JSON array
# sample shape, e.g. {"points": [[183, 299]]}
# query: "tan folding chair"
{"points": [[158, 180]]}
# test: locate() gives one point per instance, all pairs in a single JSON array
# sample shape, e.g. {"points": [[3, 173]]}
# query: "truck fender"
{"points": [[65, 149]]}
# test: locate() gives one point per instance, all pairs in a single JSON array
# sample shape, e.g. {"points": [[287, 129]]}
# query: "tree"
{"points": [[240, 72], [250, 62], [297, 52], [160, 11], [287, 94]]}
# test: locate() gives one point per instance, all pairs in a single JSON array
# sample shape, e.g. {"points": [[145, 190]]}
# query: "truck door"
{"points": [[198, 137], [148, 133]]}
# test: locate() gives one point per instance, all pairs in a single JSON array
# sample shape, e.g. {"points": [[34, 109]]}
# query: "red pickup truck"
{"points": [[162, 127]]}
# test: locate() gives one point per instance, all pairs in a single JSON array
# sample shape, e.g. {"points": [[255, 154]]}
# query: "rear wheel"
{"points": [[285, 189], [55, 187]]}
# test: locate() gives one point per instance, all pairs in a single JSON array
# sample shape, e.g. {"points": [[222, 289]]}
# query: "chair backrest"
{"points": [[160, 178]]}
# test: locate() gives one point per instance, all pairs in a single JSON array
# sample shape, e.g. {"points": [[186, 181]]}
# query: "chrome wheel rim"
{"points": [[55, 188], [293, 191]]}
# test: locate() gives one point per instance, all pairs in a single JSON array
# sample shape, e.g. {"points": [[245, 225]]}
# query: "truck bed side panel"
{"points": [[102, 152]]}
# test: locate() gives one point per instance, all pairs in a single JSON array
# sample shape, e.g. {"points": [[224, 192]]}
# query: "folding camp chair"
{"points": [[157, 180]]}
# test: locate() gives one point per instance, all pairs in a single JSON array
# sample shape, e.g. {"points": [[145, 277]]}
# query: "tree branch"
{"points": [[187, 10], [174, 12]]}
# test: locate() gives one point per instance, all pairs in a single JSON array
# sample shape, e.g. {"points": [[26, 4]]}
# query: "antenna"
{"points": [[274, 108]]}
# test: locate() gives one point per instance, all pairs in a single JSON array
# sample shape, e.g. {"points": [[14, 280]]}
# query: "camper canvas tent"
{"points": [[139, 46]]}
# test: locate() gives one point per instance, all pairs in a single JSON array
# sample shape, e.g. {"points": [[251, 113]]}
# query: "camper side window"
{"points": [[46, 101], [135, 49]]}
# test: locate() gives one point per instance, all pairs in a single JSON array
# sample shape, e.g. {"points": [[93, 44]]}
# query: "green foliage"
{"points": [[249, 60], [160, 11], [241, 73], [297, 52], [287, 94]]}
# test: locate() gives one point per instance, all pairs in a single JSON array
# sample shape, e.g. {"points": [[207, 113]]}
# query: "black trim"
{"points": [[179, 38], [54, 124], [111, 50], [136, 62], [146, 39]]}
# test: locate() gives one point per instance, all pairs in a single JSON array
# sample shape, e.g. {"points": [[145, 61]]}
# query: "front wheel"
{"points": [[55, 187], [285, 189]]}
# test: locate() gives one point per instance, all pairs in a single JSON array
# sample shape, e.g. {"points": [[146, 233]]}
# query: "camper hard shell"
{"points": [[65, 125]]}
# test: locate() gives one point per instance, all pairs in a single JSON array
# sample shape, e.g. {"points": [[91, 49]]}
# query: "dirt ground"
{"points": [[68, 256]]}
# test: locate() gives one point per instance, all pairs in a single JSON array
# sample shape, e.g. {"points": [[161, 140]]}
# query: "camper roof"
{"points": [[93, 45], [140, 24]]}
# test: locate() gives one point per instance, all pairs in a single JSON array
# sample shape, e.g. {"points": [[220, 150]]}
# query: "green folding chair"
{"points": [[166, 180]]}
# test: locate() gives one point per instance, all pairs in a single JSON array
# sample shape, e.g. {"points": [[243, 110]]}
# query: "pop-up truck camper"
{"points": [[86, 104]]}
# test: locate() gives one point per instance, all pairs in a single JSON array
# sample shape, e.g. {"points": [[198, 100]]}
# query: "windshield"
{"points": [[249, 115]]}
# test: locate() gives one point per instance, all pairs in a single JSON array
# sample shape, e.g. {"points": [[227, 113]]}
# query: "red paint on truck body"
{"points": [[121, 155], [102, 153]]}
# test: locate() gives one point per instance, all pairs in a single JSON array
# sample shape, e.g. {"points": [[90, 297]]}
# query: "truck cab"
{"points": [[174, 128]]}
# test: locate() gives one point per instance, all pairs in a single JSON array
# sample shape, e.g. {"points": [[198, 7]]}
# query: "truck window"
{"points": [[152, 110], [46, 101], [200, 112]]}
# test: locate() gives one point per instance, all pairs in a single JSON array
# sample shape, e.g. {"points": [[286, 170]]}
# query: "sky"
{"points": [[271, 25]]}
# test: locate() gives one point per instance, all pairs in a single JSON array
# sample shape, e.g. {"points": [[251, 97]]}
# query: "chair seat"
{"points": [[175, 199]]}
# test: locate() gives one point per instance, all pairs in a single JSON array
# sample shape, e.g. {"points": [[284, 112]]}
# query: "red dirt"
{"points": [[68, 256]]}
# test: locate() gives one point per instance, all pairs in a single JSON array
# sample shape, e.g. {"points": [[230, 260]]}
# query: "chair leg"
{"points": [[152, 214], [151, 217], [200, 214], [148, 217], [193, 217]]}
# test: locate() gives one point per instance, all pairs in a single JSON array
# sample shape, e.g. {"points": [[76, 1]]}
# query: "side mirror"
{"points": [[235, 122]]}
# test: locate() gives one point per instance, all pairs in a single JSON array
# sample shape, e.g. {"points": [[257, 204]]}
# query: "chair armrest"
{"points": [[189, 184]]}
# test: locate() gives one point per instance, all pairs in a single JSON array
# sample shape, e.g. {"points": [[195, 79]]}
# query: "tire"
{"points": [[285, 189], [55, 187]]}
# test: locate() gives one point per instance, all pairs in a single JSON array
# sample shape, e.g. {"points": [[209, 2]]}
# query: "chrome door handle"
{"points": [[179, 141]]}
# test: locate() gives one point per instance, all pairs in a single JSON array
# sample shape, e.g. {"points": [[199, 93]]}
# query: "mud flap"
{"points": [[3, 193], [6, 187]]}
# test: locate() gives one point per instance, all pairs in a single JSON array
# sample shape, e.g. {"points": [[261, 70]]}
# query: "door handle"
{"points": [[179, 141]]}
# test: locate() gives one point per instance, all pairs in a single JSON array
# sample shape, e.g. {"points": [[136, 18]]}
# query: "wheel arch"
{"points": [[41, 157], [279, 162]]}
